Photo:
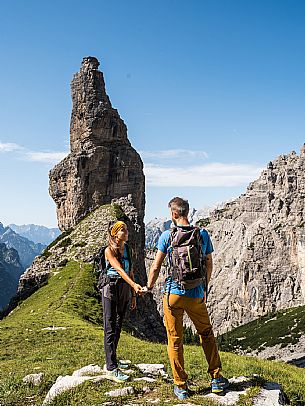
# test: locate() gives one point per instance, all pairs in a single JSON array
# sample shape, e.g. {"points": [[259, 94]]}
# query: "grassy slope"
{"points": [[282, 328], [69, 300]]}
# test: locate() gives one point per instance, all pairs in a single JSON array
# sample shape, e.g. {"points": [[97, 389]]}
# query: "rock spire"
{"points": [[102, 165]]}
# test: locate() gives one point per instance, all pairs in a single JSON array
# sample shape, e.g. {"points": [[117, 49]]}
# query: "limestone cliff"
{"points": [[259, 241]]}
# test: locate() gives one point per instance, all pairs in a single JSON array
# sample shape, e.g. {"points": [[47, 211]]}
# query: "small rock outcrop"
{"points": [[259, 241], [102, 165]]}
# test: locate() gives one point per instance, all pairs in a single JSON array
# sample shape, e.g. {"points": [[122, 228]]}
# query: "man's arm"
{"points": [[209, 266], [155, 269]]}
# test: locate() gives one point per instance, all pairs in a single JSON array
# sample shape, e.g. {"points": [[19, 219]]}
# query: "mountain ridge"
{"points": [[36, 233]]}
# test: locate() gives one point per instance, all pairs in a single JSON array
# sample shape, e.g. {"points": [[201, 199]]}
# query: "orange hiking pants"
{"points": [[197, 312]]}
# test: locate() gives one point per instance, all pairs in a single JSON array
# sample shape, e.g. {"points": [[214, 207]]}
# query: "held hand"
{"points": [[144, 290], [137, 288], [133, 304]]}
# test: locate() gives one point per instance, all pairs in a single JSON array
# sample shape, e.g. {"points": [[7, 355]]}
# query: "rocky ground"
{"points": [[270, 393]]}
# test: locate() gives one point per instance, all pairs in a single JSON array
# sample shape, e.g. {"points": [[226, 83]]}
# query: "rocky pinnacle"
{"points": [[102, 165]]}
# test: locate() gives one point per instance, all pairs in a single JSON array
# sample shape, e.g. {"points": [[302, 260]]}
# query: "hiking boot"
{"points": [[181, 392], [117, 376], [123, 365], [219, 384]]}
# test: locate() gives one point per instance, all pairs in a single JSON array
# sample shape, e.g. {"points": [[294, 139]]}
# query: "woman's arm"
{"points": [[118, 267]]}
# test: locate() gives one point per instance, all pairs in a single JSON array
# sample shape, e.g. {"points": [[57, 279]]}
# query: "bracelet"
{"points": [[149, 289]]}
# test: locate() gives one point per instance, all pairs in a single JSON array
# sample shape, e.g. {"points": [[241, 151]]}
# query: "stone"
{"points": [[185, 404], [152, 369], [88, 370], [62, 384], [34, 379], [153, 401], [145, 378], [270, 395], [121, 392], [53, 328], [230, 398]]}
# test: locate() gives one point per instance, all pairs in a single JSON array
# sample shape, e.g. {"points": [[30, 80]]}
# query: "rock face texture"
{"points": [[102, 164], [259, 242]]}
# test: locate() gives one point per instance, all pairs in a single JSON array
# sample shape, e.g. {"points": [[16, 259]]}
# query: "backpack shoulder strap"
{"points": [[129, 255], [172, 233], [100, 260]]}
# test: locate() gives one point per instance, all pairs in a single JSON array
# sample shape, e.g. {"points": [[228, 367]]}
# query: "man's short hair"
{"points": [[179, 205]]}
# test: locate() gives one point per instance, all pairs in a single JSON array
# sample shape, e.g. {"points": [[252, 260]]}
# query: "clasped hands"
{"points": [[140, 290]]}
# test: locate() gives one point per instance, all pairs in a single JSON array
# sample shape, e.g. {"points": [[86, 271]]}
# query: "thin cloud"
{"points": [[174, 154], [45, 157], [208, 175], [48, 157], [9, 147]]}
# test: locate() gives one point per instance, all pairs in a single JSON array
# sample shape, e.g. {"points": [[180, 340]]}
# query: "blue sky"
{"points": [[210, 91]]}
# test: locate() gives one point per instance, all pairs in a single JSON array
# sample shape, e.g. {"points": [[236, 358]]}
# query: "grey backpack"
{"points": [[187, 262]]}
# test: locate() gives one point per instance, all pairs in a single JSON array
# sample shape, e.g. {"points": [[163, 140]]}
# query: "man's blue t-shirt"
{"points": [[207, 248]]}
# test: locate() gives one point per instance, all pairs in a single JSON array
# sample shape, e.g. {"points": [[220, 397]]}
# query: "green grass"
{"points": [[69, 300], [284, 327]]}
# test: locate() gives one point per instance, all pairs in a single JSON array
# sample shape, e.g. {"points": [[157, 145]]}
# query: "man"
{"points": [[178, 299]]}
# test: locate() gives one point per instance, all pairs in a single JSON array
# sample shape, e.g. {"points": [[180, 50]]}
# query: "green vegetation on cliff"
{"points": [[69, 300], [283, 328]]}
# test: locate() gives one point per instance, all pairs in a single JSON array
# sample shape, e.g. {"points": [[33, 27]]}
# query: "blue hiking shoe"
{"points": [[116, 375], [219, 384], [181, 392], [123, 364]]}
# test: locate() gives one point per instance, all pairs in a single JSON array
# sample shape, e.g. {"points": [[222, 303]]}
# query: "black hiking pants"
{"points": [[115, 299]]}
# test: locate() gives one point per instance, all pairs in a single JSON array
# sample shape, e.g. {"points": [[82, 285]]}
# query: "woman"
{"points": [[115, 296]]}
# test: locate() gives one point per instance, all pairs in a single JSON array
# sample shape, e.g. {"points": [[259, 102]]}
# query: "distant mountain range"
{"points": [[19, 245], [35, 233], [27, 249], [10, 271]]}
